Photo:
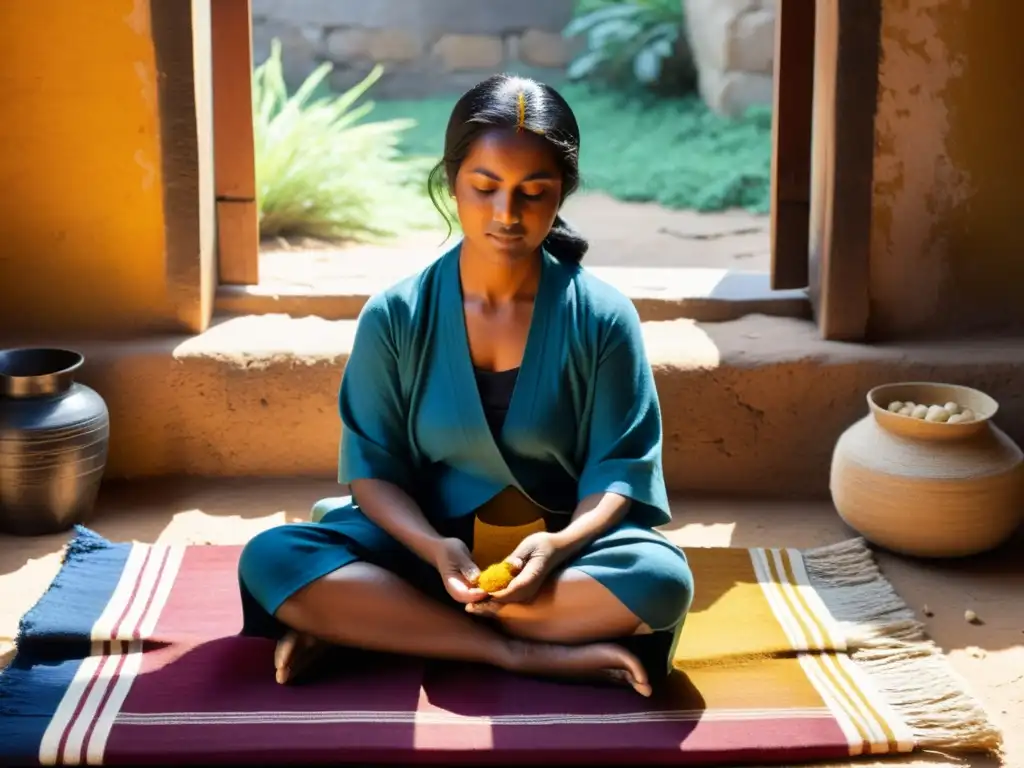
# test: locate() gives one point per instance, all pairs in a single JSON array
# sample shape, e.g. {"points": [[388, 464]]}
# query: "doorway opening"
{"points": [[708, 160]]}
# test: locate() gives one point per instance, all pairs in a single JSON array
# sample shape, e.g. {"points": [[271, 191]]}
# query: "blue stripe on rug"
{"points": [[78, 594], [53, 639], [31, 689]]}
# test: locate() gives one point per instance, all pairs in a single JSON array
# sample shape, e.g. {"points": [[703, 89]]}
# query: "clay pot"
{"points": [[53, 442], [924, 488]]}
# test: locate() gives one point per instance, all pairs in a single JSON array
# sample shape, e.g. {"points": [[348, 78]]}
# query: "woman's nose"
{"points": [[504, 209]]}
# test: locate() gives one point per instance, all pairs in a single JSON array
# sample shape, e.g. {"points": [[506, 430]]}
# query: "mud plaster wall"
{"points": [[106, 166], [81, 235], [947, 248]]}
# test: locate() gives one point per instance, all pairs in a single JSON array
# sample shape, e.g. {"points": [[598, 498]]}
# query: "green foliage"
{"points": [[672, 151], [323, 171], [632, 42], [675, 152]]}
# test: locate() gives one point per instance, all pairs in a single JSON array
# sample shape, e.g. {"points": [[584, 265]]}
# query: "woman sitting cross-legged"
{"points": [[498, 405]]}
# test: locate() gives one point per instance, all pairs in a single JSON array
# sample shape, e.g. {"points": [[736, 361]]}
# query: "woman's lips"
{"points": [[505, 239]]}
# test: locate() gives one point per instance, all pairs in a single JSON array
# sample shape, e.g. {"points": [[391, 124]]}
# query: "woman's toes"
{"points": [[484, 608], [294, 654]]}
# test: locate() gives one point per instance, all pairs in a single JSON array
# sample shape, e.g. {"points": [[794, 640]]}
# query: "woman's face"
{"points": [[508, 192]]}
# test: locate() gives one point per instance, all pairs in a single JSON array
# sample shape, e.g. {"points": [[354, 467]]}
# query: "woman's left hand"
{"points": [[534, 558]]}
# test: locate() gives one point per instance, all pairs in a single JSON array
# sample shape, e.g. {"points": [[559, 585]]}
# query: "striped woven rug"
{"points": [[132, 656]]}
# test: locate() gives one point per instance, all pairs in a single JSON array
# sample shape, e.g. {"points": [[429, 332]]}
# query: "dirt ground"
{"points": [[621, 234], [989, 654]]}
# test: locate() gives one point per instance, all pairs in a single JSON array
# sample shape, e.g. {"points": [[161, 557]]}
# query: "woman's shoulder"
{"points": [[402, 301], [602, 303]]}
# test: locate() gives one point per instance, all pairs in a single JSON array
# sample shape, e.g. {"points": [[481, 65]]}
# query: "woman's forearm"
{"points": [[594, 516], [395, 511]]}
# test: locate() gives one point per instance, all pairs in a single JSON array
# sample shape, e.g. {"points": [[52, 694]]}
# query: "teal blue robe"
{"points": [[584, 418]]}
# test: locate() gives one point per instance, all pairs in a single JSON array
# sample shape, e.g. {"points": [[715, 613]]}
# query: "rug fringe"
{"points": [[921, 687], [867, 607], [82, 542], [889, 643]]}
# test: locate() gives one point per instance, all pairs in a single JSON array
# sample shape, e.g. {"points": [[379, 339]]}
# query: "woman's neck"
{"points": [[496, 280]]}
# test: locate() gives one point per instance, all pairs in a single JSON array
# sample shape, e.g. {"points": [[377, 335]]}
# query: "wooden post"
{"points": [[233, 146], [791, 143], [847, 45]]}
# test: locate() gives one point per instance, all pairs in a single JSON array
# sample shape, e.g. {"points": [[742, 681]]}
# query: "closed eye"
{"points": [[488, 192]]}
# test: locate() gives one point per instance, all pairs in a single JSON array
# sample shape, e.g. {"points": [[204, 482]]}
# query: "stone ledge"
{"points": [[751, 406], [704, 294]]}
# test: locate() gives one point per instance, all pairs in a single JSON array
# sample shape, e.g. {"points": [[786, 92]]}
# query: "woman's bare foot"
{"points": [[595, 661], [295, 653]]}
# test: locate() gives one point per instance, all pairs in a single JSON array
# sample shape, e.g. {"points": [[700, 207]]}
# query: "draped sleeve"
{"points": [[374, 437], [624, 445]]}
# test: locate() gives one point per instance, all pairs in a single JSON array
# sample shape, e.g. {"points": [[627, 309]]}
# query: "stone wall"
{"points": [[733, 45], [427, 46]]}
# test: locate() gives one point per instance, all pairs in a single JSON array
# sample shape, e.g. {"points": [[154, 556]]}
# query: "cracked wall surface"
{"points": [[947, 211]]}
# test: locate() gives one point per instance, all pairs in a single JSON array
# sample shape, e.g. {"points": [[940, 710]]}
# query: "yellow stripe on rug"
{"points": [[757, 602], [822, 629], [870, 724], [766, 595], [805, 685]]}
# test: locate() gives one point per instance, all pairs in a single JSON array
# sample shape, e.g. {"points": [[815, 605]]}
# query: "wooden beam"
{"points": [[233, 146], [791, 143], [181, 38], [238, 239], [847, 46]]}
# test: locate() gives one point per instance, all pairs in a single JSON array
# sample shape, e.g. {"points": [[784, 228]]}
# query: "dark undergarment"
{"points": [[495, 389]]}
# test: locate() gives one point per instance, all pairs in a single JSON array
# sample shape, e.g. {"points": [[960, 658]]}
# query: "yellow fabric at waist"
{"points": [[502, 523]]}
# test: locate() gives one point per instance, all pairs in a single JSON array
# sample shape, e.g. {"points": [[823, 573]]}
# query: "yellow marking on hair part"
{"points": [[522, 112]]}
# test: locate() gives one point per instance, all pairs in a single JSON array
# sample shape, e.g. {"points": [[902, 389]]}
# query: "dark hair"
{"points": [[506, 101]]}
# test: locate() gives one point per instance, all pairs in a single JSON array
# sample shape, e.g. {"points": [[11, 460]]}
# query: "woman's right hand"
{"points": [[455, 564]]}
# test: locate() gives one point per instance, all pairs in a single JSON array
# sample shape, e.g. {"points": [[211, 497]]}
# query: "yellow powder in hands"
{"points": [[496, 577]]}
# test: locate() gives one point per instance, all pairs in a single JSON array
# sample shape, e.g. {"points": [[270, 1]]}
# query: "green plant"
{"points": [[322, 170], [671, 151], [632, 42]]}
